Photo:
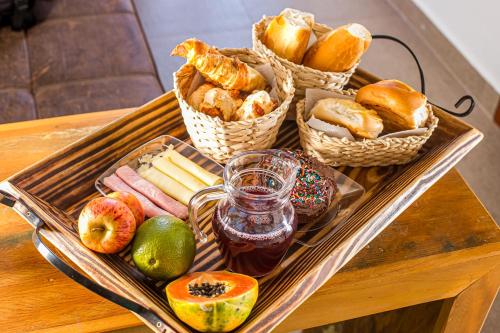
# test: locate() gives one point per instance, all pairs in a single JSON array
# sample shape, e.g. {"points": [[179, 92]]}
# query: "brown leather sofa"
{"points": [[86, 56]]}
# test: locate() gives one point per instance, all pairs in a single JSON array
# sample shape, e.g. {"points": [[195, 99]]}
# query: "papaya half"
{"points": [[213, 301]]}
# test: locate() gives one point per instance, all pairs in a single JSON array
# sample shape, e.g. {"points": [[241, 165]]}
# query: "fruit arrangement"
{"points": [[163, 247]]}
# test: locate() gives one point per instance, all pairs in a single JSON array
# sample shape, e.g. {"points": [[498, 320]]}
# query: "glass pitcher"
{"points": [[254, 221]]}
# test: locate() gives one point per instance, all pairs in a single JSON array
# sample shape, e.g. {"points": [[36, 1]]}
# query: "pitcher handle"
{"points": [[200, 199]]}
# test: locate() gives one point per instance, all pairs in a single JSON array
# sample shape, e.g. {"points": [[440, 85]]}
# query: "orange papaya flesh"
{"points": [[213, 301]]}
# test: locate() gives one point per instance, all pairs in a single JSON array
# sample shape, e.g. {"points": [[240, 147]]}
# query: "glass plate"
{"points": [[347, 199], [156, 146], [310, 234]]}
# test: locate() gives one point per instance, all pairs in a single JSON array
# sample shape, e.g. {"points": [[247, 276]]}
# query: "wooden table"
{"points": [[443, 251]]}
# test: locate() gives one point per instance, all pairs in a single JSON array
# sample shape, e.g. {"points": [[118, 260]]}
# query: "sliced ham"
{"points": [[116, 184], [153, 193]]}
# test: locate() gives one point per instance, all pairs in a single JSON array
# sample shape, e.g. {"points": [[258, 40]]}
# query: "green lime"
{"points": [[164, 248]]}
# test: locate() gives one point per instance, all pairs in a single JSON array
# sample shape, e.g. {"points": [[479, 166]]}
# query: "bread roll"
{"points": [[229, 72], [340, 49], [220, 103], [359, 121], [255, 105], [399, 105], [288, 34], [198, 95]]}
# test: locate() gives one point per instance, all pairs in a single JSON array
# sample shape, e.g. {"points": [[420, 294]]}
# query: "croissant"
{"points": [[220, 103], [255, 105], [229, 72], [198, 95]]}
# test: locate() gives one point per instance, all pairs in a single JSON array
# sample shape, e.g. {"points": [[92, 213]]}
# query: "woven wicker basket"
{"points": [[375, 152], [220, 139], [304, 77]]}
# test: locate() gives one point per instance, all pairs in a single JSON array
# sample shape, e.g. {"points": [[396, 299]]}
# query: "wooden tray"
{"points": [[56, 188]]}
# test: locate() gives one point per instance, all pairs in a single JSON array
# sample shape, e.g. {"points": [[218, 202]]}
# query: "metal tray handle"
{"points": [[460, 101], [76, 276]]}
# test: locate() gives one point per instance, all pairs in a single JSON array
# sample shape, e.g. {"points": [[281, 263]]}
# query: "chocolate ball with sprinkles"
{"points": [[314, 189]]}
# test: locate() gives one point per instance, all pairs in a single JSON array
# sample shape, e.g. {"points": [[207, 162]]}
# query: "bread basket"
{"points": [[221, 140], [303, 77], [364, 153]]}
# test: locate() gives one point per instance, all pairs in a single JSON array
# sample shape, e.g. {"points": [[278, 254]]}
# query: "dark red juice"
{"points": [[253, 242]]}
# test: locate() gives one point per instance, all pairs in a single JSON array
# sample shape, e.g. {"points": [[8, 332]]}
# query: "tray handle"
{"points": [[460, 101], [54, 260]]}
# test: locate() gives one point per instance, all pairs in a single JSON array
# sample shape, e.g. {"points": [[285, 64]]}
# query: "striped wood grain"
{"points": [[59, 186]]}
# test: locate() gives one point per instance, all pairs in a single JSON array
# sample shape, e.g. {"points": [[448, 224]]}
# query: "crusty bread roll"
{"points": [[359, 121], [255, 105], [229, 72], [220, 103], [340, 49], [399, 105], [198, 95], [288, 34]]}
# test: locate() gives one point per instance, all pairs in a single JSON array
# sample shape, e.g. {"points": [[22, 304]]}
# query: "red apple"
{"points": [[132, 203], [106, 225]]}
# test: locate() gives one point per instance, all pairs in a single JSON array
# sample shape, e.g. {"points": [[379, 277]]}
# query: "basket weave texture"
{"points": [[304, 77], [364, 153], [220, 139]]}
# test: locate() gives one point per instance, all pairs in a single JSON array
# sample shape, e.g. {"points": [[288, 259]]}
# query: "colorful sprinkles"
{"points": [[311, 190]]}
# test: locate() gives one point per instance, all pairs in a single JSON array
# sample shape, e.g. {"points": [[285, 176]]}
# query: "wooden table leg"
{"points": [[468, 310]]}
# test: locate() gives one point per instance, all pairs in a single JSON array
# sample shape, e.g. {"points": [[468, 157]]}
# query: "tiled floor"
{"points": [[60, 67], [227, 23]]}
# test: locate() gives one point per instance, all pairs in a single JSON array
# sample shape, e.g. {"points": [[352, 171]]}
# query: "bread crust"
{"points": [[254, 106], [197, 97], [399, 105], [288, 34], [338, 50], [220, 103], [361, 122]]}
